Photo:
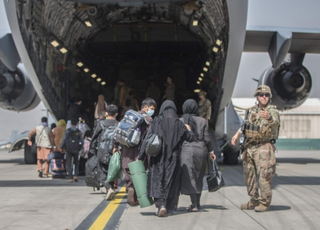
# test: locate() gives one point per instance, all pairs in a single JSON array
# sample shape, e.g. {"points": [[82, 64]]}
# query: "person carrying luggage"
{"points": [[44, 145], [164, 176], [58, 133], [72, 142], [102, 144], [194, 155], [130, 153]]}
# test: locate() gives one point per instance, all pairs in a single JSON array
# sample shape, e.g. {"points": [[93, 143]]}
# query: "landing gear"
{"points": [[29, 157]]}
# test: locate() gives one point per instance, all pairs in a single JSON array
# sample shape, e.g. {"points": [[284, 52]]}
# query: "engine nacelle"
{"points": [[290, 86], [16, 90]]}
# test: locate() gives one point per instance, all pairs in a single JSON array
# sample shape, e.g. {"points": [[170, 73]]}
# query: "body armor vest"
{"points": [[260, 129]]}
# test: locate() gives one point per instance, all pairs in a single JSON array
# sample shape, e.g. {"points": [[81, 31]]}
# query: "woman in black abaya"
{"points": [[164, 170], [194, 155]]}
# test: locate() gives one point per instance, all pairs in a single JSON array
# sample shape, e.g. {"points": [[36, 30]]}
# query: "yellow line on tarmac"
{"points": [[104, 217]]}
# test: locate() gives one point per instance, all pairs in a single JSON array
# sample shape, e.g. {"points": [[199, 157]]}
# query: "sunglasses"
{"points": [[264, 94]]}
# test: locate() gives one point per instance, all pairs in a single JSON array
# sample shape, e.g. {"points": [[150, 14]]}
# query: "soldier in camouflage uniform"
{"points": [[204, 106], [259, 162]]}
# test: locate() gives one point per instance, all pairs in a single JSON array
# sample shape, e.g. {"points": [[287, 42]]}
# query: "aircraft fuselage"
{"points": [[73, 50]]}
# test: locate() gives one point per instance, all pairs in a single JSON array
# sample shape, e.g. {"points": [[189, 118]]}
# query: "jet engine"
{"points": [[290, 85], [16, 90]]}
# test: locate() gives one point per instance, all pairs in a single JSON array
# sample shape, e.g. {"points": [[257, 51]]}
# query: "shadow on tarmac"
{"points": [[148, 213], [277, 180], [176, 213], [19, 161], [47, 182], [183, 210], [274, 208], [298, 160], [295, 180], [124, 202], [204, 207], [231, 180]]}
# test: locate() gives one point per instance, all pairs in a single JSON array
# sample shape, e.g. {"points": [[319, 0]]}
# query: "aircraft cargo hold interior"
{"points": [[80, 50]]}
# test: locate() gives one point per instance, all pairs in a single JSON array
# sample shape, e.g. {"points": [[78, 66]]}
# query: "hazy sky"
{"points": [[3, 19], [281, 13]]}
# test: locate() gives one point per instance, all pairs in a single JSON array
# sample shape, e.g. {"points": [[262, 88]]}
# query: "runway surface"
{"points": [[30, 202]]}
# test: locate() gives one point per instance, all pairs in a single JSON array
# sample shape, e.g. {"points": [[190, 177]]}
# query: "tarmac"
{"points": [[30, 202]]}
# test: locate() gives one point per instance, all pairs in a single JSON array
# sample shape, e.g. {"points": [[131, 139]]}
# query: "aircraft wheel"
{"points": [[29, 158], [231, 158]]}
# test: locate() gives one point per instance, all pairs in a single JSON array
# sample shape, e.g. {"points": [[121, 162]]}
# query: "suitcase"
{"points": [[58, 175], [57, 168]]}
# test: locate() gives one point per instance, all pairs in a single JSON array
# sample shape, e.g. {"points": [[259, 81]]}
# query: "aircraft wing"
{"points": [[279, 41], [259, 39]]}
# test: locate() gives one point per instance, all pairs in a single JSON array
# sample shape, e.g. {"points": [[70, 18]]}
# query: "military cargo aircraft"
{"points": [[81, 48]]}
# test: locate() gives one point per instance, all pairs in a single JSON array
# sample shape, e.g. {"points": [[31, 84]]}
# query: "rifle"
{"points": [[243, 139]]}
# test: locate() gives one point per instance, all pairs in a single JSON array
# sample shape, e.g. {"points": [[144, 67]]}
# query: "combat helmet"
{"points": [[263, 89], [202, 92]]}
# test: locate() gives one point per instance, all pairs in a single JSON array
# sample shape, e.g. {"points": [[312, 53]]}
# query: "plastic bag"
{"points": [[153, 146], [115, 168]]}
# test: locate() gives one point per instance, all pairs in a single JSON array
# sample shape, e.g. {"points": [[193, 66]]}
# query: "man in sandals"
{"points": [[43, 137]]}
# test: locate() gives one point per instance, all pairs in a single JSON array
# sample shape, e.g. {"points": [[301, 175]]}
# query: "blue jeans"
{"points": [[75, 157]]}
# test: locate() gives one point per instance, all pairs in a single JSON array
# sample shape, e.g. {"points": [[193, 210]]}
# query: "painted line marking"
{"points": [[106, 214]]}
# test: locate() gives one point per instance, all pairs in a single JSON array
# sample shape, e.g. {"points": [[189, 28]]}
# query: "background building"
{"points": [[299, 127]]}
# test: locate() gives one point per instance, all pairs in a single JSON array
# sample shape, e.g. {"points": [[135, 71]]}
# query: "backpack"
{"points": [[105, 147], [55, 155], [57, 168], [128, 130], [73, 144], [91, 173]]}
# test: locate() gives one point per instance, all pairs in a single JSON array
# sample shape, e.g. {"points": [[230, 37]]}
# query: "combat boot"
{"points": [[248, 206], [261, 208]]}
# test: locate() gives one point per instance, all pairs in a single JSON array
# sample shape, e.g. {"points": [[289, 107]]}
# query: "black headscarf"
{"points": [[190, 107], [166, 125]]}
